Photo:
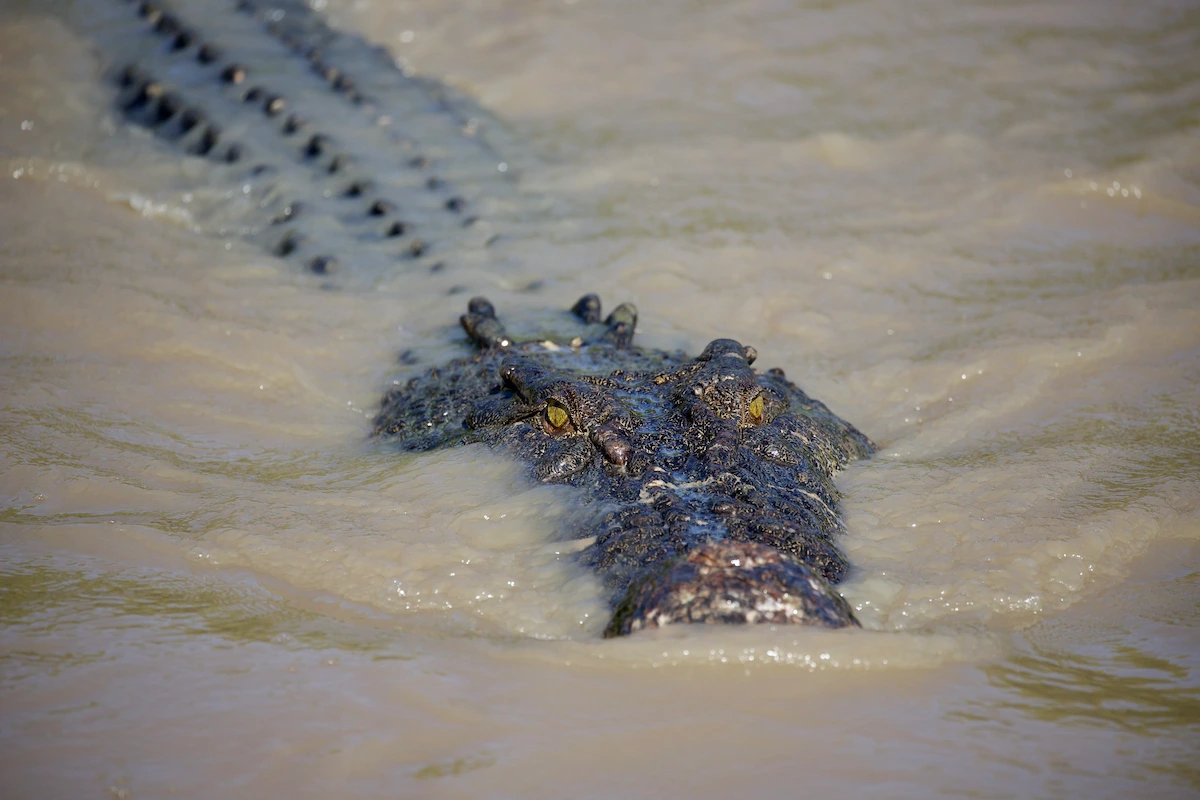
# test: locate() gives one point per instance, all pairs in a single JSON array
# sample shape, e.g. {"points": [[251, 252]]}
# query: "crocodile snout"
{"points": [[730, 582]]}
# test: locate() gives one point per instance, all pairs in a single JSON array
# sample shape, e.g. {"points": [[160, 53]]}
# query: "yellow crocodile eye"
{"points": [[756, 410], [557, 416]]}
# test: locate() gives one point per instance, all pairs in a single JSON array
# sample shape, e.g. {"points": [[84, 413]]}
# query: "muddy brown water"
{"points": [[973, 229]]}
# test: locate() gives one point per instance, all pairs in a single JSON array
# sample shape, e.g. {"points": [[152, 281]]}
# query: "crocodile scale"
{"points": [[356, 170]]}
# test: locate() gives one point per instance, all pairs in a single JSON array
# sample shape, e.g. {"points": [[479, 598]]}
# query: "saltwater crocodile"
{"points": [[709, 483], [712, 482], [319, 146]]}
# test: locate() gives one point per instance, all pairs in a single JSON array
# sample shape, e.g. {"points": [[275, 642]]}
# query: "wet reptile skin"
{"points": [[712, 483], [333, 157], [708, 484]]}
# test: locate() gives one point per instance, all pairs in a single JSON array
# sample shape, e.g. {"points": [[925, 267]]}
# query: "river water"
{"points": [[972, 228]]}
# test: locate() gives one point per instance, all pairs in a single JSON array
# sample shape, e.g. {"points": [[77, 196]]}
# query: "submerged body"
{"points": [[712, 482], [203, 553], [364, 173]]}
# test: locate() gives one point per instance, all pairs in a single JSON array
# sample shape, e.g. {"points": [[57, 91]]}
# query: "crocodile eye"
{"points": [[557, 419], [756, 411]]}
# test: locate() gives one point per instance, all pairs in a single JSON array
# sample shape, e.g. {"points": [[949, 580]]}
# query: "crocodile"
{"points": [[322, 149], [706, 486], [712, 482]]}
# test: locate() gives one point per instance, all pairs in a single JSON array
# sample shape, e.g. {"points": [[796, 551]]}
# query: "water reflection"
{"points": [[95, 613], [921, 216], [1116, 685]]}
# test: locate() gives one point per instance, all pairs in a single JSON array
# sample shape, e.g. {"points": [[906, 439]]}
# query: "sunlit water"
{"points": [[972, 229]]}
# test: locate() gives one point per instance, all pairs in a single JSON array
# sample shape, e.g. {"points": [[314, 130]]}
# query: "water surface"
{"points": [[973, 229]]}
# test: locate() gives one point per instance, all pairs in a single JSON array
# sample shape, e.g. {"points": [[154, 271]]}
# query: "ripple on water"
{"points": [[971, 228]]}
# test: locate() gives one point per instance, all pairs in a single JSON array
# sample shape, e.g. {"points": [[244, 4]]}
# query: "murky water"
{"points": [[972, 228]]}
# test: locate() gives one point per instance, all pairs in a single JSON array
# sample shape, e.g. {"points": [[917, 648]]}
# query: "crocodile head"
{"points": [[712, 482]]}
